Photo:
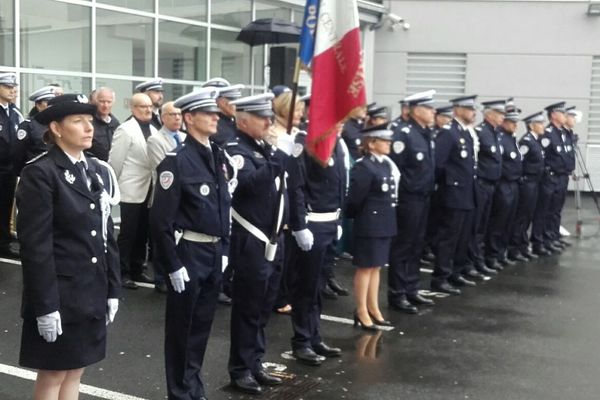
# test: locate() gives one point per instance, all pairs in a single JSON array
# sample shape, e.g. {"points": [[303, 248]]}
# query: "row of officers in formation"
{"points": [[238, 193]]}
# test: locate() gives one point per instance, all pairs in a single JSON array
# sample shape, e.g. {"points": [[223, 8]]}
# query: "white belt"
{"points": [[247, 225], [323, 217], [199, 237]]}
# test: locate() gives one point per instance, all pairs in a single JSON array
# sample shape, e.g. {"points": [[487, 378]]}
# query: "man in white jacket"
{"points": [[129, 158]]}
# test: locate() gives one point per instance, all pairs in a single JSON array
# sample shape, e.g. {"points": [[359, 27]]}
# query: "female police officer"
{"points": [[69, 255]]}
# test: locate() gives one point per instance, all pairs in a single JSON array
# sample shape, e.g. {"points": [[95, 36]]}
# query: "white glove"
{"points": [[304, 238], [178, 279], [112, 306], [224, 262], [49, 326], [340, 232], [285, 143]]}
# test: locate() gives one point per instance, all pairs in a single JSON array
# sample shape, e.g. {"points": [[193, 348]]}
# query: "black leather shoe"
{"points": [[558, 244], [461, 281], [540, 252], [530, 256], [308, 356], [323, 350], [129, 284], [246, 384], [362, 325], [380, 322], [337, 287], [486, 271], [474, 274], [142, 278], [495, 265], [265, 378], [553, 249], [9, 252], [402, 304], [419, 300], [328, 293], [518, 257], [565, 243], [445, 287], [224, 299], [161, 288], [507, 263]]}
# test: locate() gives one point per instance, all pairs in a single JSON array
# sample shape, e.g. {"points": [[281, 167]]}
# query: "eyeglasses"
{"points": [[143, 106]]}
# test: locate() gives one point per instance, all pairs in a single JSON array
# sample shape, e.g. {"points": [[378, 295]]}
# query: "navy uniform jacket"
{"points": [[370, 198], [533, 157], [226, 130], [489, 159], [9, 125], [512, 162], [69, 264], [29, 144], [312, 187], [192, 194], [256, 196], [413, 153], [351, 133], [570, 140], [455, 166], [557, 158]]}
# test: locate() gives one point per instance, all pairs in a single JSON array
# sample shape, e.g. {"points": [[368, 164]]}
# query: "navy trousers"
{"points": [[502, 218], [540, 217], [528, 197], [452, 224]]}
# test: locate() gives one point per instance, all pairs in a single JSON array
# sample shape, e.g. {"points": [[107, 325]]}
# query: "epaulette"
{"points": [[303, 133], [394, 124], [34, 159], [526, 137], [548, 129], [229, 144], [170, 153], [447, 126]]}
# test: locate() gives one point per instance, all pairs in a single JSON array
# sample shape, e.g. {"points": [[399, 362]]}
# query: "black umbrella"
{"points": [[269, 31]]}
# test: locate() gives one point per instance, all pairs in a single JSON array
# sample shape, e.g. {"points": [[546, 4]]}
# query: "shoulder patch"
{"points": [[238, 161], [524, 149], [545, 142], [34, 159], [21, 134], [398, 147], [166, 179], [297, 149]]}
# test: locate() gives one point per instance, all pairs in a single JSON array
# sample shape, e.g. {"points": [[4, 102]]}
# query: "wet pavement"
{"points": [[530, 333]]}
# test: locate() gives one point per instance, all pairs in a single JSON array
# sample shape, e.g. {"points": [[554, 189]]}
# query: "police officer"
{"points": [[404, 114], [376, 115], [189, 220], [154, 89], [544, 231], [316, 194], [570, 139], [255, 256], [351, 133], [30, 141], [10, 118], [455, 169], [68, 251], [506, 194], [533, 171], [413, 153], [227, 93], [489, 171]]}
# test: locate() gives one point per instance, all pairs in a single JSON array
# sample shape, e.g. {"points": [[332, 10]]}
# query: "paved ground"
{"points": [[531, 333]]}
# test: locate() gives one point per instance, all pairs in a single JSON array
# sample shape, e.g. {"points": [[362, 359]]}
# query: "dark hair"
{"points": [[363, 147]]}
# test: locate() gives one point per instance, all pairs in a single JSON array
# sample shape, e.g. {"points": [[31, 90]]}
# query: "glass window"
{"points": [[31, 82], [141, 5], [190, 9], [174, 91], [124, 44], [182, 51], [7, 32], [266, 9], [123, 91], [229, 58], [231, 12], [61, 41]]}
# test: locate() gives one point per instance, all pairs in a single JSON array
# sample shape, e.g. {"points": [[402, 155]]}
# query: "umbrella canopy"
{"points": [[269, 31]]}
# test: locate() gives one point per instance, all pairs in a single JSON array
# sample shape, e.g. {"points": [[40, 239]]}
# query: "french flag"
{"points": [[338, 84]]}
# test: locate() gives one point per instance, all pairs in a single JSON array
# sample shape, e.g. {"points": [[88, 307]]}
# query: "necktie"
{"points": [[83, 172], [177, 140]]}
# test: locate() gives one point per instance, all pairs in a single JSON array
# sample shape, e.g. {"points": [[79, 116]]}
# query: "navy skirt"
{"points": [[371, 252]]}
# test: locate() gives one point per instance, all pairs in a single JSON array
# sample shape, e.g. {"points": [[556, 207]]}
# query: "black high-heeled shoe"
{"points": [[362, 325], [380, 322]]}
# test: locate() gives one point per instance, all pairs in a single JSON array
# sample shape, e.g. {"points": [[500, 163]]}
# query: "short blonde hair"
{"points": [[281, 104]]}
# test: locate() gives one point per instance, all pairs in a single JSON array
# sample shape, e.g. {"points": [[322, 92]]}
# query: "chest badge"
{"points": [[463, 154], [166, 179], [204, 190], [69, 177], [21, 133]]}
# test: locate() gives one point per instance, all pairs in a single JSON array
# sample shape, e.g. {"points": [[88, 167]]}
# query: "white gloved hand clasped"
{"points": [[178, 279], [224, 262], [304, 238], [112, 306], [49, 326], [340, 232], [285, 143]]}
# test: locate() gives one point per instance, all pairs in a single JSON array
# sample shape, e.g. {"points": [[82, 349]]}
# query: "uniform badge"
{"points": [[513, 155], [545, 142], [357, 141], [524, 149], [258, 155], [493, 149], [166, 179], [463, 154], [398, 147], [385, 187], [69, 177], [331, 162], [238, 161], [297, 149], [21, 134], [420, 156], [204, 190], [558, 149]]}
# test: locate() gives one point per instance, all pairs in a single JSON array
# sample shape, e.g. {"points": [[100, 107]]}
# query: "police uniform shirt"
{"points": [[29, 144], [259, 166], [413, 151], [489, 161], [533, 156], [512, 167], [226, 130], [351, 133], [10, 119], [557, 158], [192, 194], [570, 140], [313, 187]]}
